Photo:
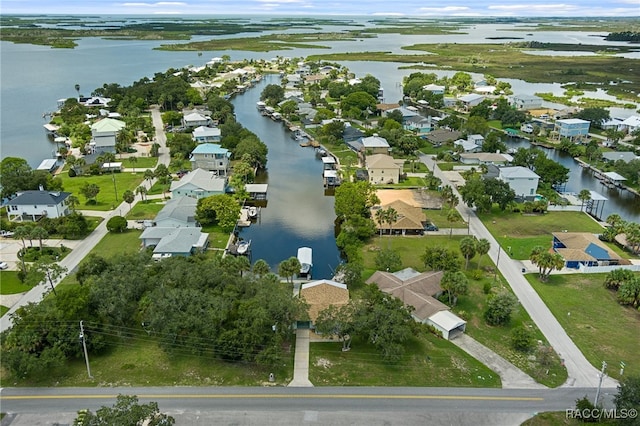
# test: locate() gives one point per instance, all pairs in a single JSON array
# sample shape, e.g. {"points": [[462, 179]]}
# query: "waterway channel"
{"points": [[620, 201], [298, 213]]}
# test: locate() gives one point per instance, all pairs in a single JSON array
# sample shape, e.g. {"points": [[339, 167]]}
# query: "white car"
{"points": [[6, 234], [3, 265]]}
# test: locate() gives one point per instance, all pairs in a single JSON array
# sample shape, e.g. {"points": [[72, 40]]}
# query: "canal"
{"points": [[298, 213], [620, 201]]}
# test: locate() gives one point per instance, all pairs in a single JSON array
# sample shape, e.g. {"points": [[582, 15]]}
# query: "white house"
{"points": [[195, 119], [631, 124], [467, 145], [522, 180], [198, 183], [168, 241], [471, 100], [204, 134], [178, 213], [375, 144], [34, 205], [212, 157], [434, 88], [525, 102], [104, 135]]}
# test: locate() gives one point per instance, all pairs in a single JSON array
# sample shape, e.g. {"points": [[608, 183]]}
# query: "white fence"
{"points": [[603, 269]]}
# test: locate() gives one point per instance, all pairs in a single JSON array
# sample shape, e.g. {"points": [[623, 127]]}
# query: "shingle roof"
{"points": [[375, 142], [209, 148], [319, 295], [180, 208], [202, 179], [181, 240], [38, 198], [517, 172], [108, 125], [381, 161]]}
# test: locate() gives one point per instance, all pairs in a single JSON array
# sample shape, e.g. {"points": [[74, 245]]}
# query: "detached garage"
{"points": [[447, 323]]}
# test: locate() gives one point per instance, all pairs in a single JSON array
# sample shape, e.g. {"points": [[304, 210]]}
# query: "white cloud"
{"points": [[158, 4], [444, 10], [533, 7]]}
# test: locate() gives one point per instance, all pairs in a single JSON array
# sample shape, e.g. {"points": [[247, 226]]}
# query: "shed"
{"points": [[447, 323]]}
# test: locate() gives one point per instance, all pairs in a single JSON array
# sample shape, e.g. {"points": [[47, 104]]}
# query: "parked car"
{"points": [[3, 265], [6, 234], [430, 227]]}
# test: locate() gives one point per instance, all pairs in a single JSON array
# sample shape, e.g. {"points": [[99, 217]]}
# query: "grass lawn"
{"points": [[106, 198], [439, 217], [10, 284], [3, 310], [139, 361], [523, 232], [599, 326], [141, 164], [145, 209], [217, 237], [428, 361], [472, 306], [118, 243], [415, 167]]}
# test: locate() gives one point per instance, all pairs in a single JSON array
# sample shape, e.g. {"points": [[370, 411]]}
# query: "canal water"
{"points": [[623, 202], [298, 213]]}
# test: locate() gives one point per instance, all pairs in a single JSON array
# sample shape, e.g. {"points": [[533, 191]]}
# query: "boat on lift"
{"points": [[305, 257]]}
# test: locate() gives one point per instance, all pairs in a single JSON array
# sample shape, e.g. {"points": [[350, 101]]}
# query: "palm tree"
{"points": [[452, 217], [632, 234], [73, 202], [134, 161], [380, 219], [39, 233], [142, 191], [261, 268], [468, 249], [391, 217], [546, 261], [128, 197], [21, 233], [584, 195], [482, 247], [77, 87]]}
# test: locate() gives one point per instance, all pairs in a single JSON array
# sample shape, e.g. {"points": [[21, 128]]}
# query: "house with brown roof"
{"points": [[383, 168], [319, 295], [584, 249], [411, 219], [419, 290]]}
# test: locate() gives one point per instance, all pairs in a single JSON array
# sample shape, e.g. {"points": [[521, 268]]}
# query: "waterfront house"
{"points": [[572, 128], [441, 136], [467, 145], [614, 156], [34, 205], [168, 241], [319, 295], [198, 183], [420, 291], [211, 157], [94, 101], [411, 219], [526, 102], [195, 119], [434, 88], [179, 212], [383, 168], [583, 249], [631, 124], [104, 134], [205, 134], [470, 100], [351, 133], [418, 124], [522, 180], [485, 158], [375, 145]]}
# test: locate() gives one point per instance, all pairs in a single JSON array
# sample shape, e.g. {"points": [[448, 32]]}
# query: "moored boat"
{"points": [[305, 257]]}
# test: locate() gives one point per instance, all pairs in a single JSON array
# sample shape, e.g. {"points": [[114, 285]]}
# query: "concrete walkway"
{"points": [[301, 360], [512, 377]]}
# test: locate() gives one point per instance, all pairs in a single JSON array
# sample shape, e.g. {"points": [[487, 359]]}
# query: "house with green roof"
{"points": [[104, 135], [211, 157]]}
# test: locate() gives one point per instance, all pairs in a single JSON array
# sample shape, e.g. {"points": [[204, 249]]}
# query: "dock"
{"points": [[244, 220]]}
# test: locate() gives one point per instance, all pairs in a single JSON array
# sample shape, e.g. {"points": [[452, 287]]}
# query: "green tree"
{"points": [[618, 277], [272, 94], [452, 217], [468, 248], [522, 339], [441, 259], [289, 268], [15, 175], [388, 260], [477, 125], [89, 190], [261, 268], [126, 411], [584, 195], [337, 321], [628, 398], [499, 308], [46, 269], [545, 261], [629, 292], [455, 284], [222, 209], [39, 233], [92, 266], [117, 224], [128, 197], [142, 191], [73, 202], [354, 198], [482, 247]]}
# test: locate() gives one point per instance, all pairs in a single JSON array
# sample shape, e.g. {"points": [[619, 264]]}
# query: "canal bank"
{"points": [[297, 212]]}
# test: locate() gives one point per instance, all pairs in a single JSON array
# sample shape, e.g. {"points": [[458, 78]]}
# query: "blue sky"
{"points": [[545, 8]]}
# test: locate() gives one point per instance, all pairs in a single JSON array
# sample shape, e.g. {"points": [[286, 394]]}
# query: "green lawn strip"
{"points": [[472, 306], [522, 232], [141, 164], [3, 310], [415, 167], [106, 198], [157, 189], [552, 418], [139, 361], [428, 361], [118, 243], [439, 218], [10, 284], [447, 167], [145, 209], [217, 237], [598, 325]]}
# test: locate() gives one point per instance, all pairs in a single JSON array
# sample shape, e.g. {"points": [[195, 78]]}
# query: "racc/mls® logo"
{"points": [[601, 413]]}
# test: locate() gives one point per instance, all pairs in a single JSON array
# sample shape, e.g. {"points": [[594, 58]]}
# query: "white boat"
{"points": [[305, 257], [253, 212], [243, 247], [260, 105]]}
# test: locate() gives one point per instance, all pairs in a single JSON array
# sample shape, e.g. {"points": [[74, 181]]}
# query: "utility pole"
{"points": [[84, 347], [602, 375], [495, 274]]}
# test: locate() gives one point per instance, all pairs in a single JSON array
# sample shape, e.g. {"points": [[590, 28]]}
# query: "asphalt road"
{"points": [[285, 405]]}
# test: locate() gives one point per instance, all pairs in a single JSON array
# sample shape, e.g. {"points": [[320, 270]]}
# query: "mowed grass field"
{"points": [[602, 329]]}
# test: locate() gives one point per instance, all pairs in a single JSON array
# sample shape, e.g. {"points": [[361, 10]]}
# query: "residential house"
{"points": [[631, 124], [205, 134], [178, 213], [411, 219], [420, 291], [470, 100], [614, 156], [212, 157], [375, 145], [584, 249], [319, 295], [522, 180], [169, 241], [418, 124], [383, 168], [526, 102], [34, 205], [467, 145], [572, 128], [94, 101], [195, 119], [351, 133], [477, 139], [485, 158], [382, 108], [442, 136], [434, 88], [407, 112], [199, 183], [104, 134]]}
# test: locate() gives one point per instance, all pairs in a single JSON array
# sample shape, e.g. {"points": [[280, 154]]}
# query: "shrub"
{"points": [[522, 339], [117, 224], [486, 288], [499, 308]]}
